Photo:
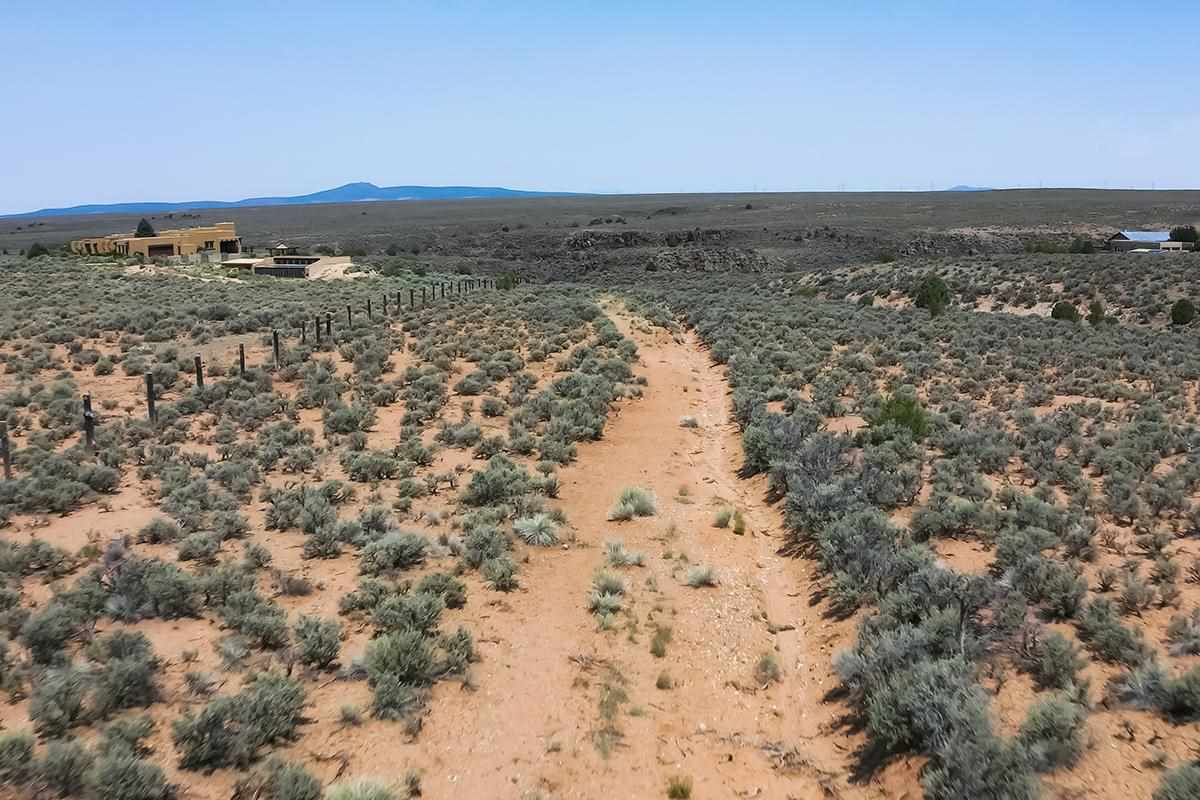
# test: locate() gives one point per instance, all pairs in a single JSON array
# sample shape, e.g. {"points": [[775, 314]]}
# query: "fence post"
{"points": [[329, 325], [384, 298], [275, 346], [349, 317], [424, 302], [397, 301], [151, 411], [242, 360], [412, 295], [199, 373], [317, 327], [89, 422], [370, 316], [5, 455]]}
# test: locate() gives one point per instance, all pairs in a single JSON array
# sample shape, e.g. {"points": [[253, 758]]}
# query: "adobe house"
{"points": [[220, 239]]}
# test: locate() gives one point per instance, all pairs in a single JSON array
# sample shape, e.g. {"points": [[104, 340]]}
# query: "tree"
{"points": [[1082, 245], [1065, 311], [1184, 233], [1095, 313], [932, 294], [37, 249], [1182, 312], [145, 229]]}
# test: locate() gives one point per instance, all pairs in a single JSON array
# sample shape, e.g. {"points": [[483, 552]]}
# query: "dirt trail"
{"points": [[562, 709]]}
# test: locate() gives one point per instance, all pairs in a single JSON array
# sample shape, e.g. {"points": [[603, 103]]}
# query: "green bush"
{"points": [[124, 776], [58, 701], [317, 641], [1182, 312], [500, 573], [1065, 311], [450, 589], [1052, 733], [360, 790], [1182, 783], [393, 551], [902, 411], [231, 730], [65, 767], [932, 294], [16, 757], [279, 780], [1055, 662], [404, 655]]}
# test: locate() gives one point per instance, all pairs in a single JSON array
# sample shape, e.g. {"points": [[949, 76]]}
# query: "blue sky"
{"points": [[119, 101]]}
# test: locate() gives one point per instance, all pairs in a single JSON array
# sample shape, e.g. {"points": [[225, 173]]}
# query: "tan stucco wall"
{"points": [[183, 241]]}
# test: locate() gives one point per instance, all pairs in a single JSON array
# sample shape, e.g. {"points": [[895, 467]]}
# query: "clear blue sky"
{"points": [[114, 101]]}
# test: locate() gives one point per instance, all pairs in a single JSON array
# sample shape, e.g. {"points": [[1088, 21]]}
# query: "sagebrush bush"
{"points": [[1052, 733], [317, 641], [231, 730]]}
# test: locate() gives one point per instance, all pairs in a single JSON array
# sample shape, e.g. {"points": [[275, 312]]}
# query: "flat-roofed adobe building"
{"points": [[220, 240]]}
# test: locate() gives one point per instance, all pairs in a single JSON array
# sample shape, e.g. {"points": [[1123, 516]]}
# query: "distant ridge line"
{"points": [[349, 193]]}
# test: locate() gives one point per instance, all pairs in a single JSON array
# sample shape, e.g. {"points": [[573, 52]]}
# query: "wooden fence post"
{"points": [[397, 301], [242, 360], [275, 346], [349, 317], [317, 327], [329, 325], [424, 302], [89, 423], [412, 295], [370, 316], [199, 373], [151, 411], [5, 453], [384, 298]]}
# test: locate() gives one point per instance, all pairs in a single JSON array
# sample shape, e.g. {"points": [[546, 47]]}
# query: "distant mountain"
{"points": [[350, 193], [964, 188]]}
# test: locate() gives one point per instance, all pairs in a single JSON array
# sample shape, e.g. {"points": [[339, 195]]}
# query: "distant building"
{"points": [[220, 240], [1126, 241], [290, 266], [282, 249]]}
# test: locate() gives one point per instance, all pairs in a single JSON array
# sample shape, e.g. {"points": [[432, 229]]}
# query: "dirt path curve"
{"points": [[563, 709]]}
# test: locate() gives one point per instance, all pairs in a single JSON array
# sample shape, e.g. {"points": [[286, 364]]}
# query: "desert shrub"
{"points": [[482, 544], [360, 790], [160, 530], [1054, 662], [231, 730], [700, 576], [325, 543], [1150, 687], [1052, 733], [46, 632], [1183, 632], [496, 484], [500, 573], [404, 655], [65, 766], [124, 776], [58, 701], [417, 611], [279, 780], [256, 618], [200, 547], [450, 589], [148, 588], [1182, 783], [538, 530], [16, 757], [393, 551], [633, 502], [1101, 630], [127, 678], [317, 641], [126, 735]]}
